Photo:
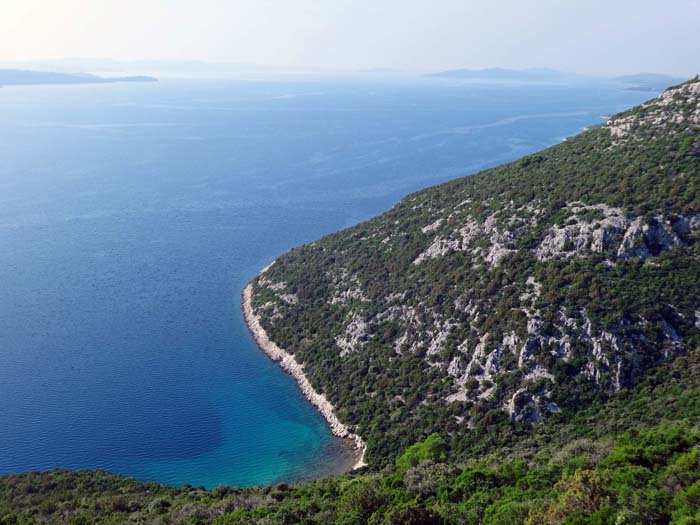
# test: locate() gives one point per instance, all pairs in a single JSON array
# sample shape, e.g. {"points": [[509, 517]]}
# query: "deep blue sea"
{"points": [[132, 215]]}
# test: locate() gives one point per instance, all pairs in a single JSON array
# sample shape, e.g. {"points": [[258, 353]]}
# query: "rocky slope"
{"points": [[490, 303]]}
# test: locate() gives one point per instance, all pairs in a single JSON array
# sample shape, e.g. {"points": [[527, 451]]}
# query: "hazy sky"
{"points": [[587, 36]]}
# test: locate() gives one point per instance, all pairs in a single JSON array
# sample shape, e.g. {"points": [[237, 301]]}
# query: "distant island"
{"points": [[501, 74], [23, 77], [162, 68], [648, 81], [653, 82]]}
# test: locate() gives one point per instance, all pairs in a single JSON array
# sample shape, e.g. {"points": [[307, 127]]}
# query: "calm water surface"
{"points": [[131, 216]]}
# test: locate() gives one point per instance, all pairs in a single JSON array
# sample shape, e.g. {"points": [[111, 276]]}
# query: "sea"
{"points": [[132, 216]]}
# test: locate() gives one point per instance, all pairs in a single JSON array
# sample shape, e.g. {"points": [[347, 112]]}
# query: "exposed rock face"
{"points": [[353, 337], [625, 238], [588, 229], [524, 406], [465, 238], [460, 240], [579, 235], [645, 240], [675, 109]]}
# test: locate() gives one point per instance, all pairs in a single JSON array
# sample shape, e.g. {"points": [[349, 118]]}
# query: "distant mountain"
{"points": [[500, 74], [647, 81], [185, 68], [162, 68], [17, 77], [652, 82]]}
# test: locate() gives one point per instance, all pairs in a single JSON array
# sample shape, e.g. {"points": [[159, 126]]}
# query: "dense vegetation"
{"points": [[517, 347]]}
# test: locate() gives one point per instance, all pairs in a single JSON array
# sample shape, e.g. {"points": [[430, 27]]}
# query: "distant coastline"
{"points": [[23, 77], [290, 365]]}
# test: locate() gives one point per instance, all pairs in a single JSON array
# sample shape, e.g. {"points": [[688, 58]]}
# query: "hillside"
{"points": [[486, 305]]}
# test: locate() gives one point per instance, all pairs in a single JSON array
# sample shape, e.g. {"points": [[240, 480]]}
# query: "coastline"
{"points": [[290, 365]]}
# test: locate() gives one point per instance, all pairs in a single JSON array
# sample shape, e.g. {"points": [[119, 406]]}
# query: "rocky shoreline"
{"points": [[290, 365]]}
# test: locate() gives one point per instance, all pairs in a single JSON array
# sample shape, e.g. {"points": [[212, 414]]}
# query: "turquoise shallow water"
{"points": [[131, 216]]}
